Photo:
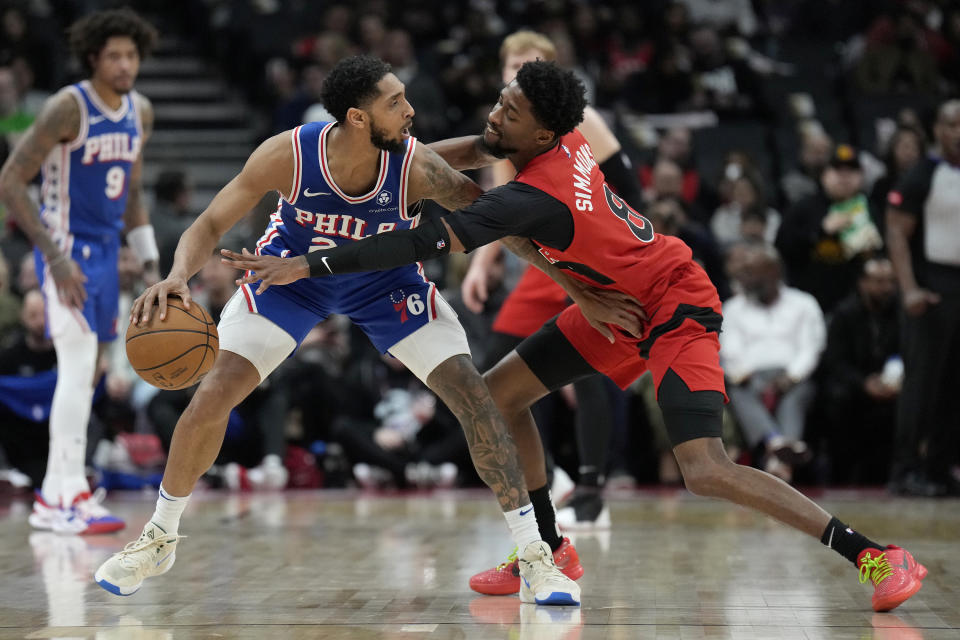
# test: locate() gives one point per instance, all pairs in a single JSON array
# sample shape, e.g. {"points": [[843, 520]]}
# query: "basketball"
{"points": [[177, 352]]}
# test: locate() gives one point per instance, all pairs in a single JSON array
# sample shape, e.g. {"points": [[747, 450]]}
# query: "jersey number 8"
{"points": [[638, 225]]}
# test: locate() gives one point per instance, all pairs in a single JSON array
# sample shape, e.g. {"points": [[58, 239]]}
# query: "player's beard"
{"points": [[120, 84], [496, 149], [379, 139]]}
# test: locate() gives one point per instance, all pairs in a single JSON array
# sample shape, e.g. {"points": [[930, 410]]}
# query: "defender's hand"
{"points": [[142, 307], [603, 307], [269, 270]]}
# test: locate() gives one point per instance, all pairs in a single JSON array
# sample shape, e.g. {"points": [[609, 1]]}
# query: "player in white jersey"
{"points": [[87, 144], [338, 183]]}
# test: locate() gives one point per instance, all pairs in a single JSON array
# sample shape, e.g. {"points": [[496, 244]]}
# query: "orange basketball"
{"points": [[175, 353]]}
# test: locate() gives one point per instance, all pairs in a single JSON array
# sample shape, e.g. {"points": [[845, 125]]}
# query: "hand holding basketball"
{"points": [[175, 351], [142, 308]]}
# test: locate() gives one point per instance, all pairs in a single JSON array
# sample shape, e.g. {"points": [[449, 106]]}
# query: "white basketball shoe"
{"points": [[541, 581], [152, 554]]}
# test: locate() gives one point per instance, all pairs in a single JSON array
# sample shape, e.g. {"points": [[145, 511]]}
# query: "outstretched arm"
{"points": [[432, 178], [463, 153], [495, 215], [374, 253]]}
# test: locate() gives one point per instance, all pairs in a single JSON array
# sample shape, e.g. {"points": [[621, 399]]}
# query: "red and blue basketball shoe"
{"points": [[895, 575], [504, 579], [85, 516]]}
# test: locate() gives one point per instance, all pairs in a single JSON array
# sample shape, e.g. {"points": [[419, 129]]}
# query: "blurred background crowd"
{"points": [[767, 135]]}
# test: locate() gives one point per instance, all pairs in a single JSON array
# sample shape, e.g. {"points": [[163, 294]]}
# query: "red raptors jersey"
{"points": [[613, 246]]}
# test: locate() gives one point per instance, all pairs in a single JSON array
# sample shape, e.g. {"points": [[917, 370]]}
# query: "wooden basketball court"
{"points": [[348, 565]]}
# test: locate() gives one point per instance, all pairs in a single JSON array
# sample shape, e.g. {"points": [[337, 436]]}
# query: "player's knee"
{"points": [[507, 397], [77, 359], [701, 480], [705, 471]]}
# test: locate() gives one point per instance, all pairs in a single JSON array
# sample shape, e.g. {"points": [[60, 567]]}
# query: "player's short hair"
{"points": [[89, 34], [521, 41], [352, 83], [558, 97]]}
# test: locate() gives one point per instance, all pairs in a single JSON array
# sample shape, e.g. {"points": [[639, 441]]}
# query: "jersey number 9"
{"points": [[116, 180]]}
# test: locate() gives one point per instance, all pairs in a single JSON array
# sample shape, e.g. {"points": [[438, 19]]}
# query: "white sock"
{"points": [[523, 526], [50, 489], [168, 511]]}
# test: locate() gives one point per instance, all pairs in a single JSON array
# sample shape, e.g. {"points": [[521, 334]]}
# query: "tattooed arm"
{"points": [[463, 153], [58, 122], [492, 449], [434, 179]]}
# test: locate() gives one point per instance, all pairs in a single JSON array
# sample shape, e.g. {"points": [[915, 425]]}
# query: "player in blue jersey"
{"points": [[338, 182], [86, 143]]}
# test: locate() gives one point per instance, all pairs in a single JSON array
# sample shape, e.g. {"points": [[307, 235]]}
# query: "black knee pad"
{"points": [[689, 414]]}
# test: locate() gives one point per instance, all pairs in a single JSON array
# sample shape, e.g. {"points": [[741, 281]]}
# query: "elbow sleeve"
{"points": [[383, 251]]}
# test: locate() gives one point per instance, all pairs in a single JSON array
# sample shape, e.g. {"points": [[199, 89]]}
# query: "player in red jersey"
{"points": [[560, 202], [536, 298]]}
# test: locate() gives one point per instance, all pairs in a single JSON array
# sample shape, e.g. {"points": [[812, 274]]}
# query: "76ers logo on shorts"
{"points": [[403, 304], [384, 198]]}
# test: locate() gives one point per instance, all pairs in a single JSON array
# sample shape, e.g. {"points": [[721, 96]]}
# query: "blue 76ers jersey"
{"points": [[316, 215], [82, 200], [85, 181]]}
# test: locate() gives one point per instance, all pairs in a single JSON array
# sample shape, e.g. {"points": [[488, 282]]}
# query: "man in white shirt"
{"points": [[771, 342]]}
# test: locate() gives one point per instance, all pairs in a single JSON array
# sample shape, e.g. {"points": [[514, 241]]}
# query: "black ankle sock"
{"points": [[590, 479], [546, 516], [846, 541]]}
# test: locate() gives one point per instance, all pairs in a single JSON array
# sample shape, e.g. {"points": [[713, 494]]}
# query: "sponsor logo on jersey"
{"points": [[384, 198]]}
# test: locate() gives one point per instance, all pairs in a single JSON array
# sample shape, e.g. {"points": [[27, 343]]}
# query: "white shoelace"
{"points": [[545, 572], [130, 557]]}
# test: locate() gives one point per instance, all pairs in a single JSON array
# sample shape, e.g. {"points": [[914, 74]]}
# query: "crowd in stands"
{"points": [[766, 135]]}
